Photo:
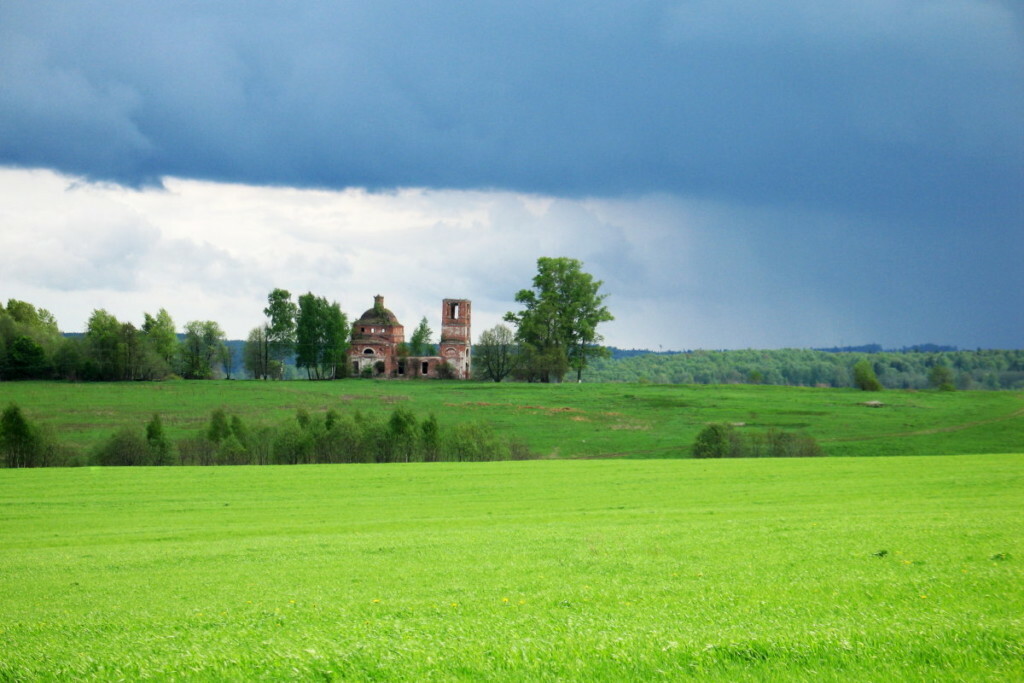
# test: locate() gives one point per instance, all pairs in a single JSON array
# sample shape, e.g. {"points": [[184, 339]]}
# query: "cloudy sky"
{"points": [[738, 173]]}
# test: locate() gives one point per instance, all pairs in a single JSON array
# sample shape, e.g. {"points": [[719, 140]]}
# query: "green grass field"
{"points": [[814, 569], [567, 420]]}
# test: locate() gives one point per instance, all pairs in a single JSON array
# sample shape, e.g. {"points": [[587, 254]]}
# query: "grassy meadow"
{"points": [[556, 421], [816, 569]]}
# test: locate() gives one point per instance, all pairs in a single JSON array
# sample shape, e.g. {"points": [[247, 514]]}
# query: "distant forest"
{"points": [[905, 369], [32, 347]]}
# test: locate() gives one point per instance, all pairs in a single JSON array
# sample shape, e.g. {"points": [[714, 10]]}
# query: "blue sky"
{"points": [[740, 174]]}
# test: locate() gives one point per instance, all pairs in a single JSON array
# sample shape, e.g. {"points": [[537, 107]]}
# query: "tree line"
{"points": [[313, 333], [330, 437], [556, 332], [962, 369], [31, 347]]}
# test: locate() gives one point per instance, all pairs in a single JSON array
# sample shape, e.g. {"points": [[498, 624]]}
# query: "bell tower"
{"points": [[456, 341]]}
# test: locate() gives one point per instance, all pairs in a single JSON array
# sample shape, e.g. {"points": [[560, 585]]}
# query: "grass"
{"points": [[826, 569], [567, 420]]}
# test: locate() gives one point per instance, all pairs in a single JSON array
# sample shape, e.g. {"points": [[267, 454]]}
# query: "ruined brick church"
{"points": [[376, 337]]}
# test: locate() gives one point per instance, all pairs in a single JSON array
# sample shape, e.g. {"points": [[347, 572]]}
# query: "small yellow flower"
{"points": [[505, 600], [375, 601]]}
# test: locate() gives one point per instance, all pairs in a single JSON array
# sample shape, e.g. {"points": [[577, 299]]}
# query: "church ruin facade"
{"points": [[378, 345]]}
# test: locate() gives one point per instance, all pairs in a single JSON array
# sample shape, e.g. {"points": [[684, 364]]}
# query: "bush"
{"points": [[474, 442], [864, 377], [197, 450], [292, 445], [126, 448], [723, 441], [20, 442], [232, 452], [219, 428], [330, 438], [788, 445], [717, 441], [159, 446], [445, 370], [941, 377]]}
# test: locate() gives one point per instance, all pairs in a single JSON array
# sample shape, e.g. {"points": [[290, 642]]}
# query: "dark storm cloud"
{"points": [[864, 160], [898, 108]]}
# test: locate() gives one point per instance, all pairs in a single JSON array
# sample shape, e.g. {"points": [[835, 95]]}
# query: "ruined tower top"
{"points": [[455, 321]]}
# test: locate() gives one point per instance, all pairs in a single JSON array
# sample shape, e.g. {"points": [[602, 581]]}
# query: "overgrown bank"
{"points": [[554, 421], [228, 440]]}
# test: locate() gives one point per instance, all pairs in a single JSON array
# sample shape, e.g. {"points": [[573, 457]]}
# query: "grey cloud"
{"points": [[84, 255], [871, 153], [875, 107]]}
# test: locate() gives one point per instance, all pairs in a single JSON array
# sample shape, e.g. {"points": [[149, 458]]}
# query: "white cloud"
{"points": [[679, 273]]}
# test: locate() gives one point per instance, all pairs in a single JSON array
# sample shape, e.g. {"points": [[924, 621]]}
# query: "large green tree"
{"points": [[256, 355], [29, 339], [496, 354], [282, 313], [26, 359], [161, 338], [321, 335], [561, 314], [106, 348], [420, 343], [201, 349]]}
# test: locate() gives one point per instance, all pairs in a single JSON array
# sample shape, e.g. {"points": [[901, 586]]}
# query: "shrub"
{"points": [[232, 452], [717, 441], [197, 450], [474, 442], [238, 429], [430, 439], [723, 441], [19, 440], [159, 446], [292, 445], [789, 445], [219, 428], [941, 377], [125, 448], [864, 376], [401, 436]]}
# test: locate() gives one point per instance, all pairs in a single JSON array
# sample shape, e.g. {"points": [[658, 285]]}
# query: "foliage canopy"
{"points": [[560, 317]]}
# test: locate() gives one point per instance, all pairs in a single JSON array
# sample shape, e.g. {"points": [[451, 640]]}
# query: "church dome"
{"points": [[378, 315]]}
